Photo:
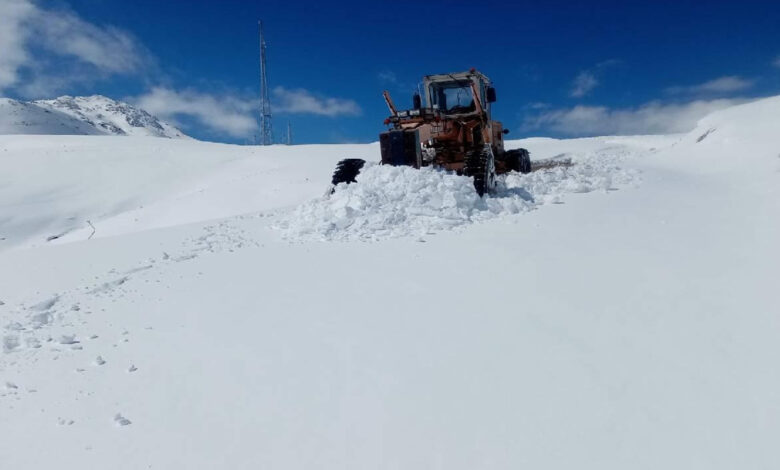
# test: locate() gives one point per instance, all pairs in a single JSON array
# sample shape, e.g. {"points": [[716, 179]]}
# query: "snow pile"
{"points": [[390, 202]]}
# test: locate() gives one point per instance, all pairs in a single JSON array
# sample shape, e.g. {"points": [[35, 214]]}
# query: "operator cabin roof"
{"points": [[458, 76]]}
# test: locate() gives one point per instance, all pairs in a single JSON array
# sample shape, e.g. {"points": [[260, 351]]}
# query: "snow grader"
{"points": [[454, 131]]}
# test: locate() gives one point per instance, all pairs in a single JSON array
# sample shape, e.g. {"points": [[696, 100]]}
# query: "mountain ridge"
{"points": [[82, 115]]}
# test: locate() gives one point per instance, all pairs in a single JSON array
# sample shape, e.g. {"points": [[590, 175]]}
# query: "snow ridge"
{"points": [[81, 115], [18, 117]]}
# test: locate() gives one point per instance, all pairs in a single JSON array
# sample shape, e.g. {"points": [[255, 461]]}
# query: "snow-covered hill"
{"points": [[82, 115], [18, 117], [185, 312]]}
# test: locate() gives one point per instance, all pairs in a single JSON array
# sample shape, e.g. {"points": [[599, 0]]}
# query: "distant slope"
{"points": [[18, 117], [112, 117], [91, 115]]}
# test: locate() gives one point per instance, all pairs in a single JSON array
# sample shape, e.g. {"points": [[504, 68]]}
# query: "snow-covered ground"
{"points": [[223, 313]]}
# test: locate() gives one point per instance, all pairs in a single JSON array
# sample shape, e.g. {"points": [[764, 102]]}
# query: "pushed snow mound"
{"points": [[390, 202]]}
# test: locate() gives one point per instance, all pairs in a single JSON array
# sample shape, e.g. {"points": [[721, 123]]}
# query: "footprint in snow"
{"points": [[46, 304], [41, 319], [121, 420], [10, 343], [68, 339], [99, 361]]}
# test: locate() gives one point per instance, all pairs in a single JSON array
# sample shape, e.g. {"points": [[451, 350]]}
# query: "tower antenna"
{"points": [[266, 127], [289, 133]]}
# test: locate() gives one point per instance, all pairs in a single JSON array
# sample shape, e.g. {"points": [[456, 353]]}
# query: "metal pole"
{"points": [[266, 126]]}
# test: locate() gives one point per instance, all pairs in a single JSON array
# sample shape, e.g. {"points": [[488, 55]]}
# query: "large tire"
{"points": [[347, 170], [481, 165], [518, 160]]}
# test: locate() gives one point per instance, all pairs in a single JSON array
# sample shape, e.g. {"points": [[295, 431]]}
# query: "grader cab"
{"points": [[454, 130]]}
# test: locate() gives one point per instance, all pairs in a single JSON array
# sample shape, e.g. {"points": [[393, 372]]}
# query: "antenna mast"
{"points": [[289, 133], [266, 126]]}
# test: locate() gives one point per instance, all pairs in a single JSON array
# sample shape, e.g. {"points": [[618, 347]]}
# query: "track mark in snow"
{"points": [[41, 319], [704, 136], [68, 339], [121, 420], [10, 343], [45, 304], [62, 314], [46, 313], [138, 269], [108, 286]]}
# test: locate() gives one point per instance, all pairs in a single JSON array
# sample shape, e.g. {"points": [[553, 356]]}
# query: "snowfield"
{"points": [[180, 304]]}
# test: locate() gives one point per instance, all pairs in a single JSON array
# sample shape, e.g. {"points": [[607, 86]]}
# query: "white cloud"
{"points": [[300, 101], [67, 48], [650, 118], [107, 48], [228, 114], [776, 62], [14, 33], [728, 84], [234, 115], [583, 84]]}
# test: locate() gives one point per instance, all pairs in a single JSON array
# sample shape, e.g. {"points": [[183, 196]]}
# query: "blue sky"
{"points": [[560, 68]]}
